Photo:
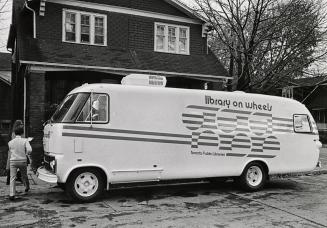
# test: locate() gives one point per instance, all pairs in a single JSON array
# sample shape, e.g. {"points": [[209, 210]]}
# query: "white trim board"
{"points": [[37, 66], [125, 10]]}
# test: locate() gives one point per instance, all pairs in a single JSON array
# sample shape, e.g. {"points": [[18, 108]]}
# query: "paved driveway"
{"points": [[294, 202], [285, 202]]}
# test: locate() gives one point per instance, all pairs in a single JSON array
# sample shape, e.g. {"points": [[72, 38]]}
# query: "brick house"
{"points": [[58, 45]]}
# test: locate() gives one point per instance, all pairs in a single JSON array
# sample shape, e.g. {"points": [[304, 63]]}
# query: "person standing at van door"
{"points": [[12, 136], [19, 149]]}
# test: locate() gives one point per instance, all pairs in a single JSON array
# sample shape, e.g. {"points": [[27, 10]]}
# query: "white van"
{"points": [[103, 134]]}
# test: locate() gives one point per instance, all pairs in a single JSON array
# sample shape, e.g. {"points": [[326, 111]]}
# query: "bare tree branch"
{"points": [[266, 43]]}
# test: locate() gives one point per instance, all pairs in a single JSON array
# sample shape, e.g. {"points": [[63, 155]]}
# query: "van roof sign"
{"points": [[144, 80]]}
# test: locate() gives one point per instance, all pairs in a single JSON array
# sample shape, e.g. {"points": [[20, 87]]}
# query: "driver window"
{"points": [[99, 106]]}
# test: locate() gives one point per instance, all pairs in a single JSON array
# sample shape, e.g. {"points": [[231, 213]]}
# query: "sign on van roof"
{"points": [[144, 80]]}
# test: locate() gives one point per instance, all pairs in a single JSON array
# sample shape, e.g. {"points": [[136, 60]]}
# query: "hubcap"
{"points": [[254, 176], [86, 184]]}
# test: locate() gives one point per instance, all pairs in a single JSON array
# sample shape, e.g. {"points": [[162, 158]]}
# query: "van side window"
{"points": [[100, 108], [97, 108]]}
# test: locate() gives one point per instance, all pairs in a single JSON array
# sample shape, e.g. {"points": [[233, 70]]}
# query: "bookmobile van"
{"points": [[105, 134]]}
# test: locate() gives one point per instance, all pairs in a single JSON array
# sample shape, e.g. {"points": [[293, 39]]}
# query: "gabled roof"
{"points": [[185, 9], [5, 76], [5, 61], [309, 81], [5, 67]]}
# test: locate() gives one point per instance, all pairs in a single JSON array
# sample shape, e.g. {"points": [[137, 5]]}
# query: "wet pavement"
{"points": [[291, 201]]}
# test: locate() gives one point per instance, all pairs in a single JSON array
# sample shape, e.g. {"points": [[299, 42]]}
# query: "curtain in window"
{"points": [[70, 26], [171, 39], [160, 38], [182, 40]]}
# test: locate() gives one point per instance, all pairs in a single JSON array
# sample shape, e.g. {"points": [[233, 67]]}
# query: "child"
{"points": [[19, 149], [12, 136]]}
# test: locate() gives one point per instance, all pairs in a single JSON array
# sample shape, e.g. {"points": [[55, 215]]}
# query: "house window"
{"points": [[171, 38], [84, 27], [183, 40], [287, 92], [99, 30], [160, 38], [70, 26]]}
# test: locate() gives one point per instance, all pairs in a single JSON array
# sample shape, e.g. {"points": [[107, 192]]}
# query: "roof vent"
{"points": [[144, 80]]}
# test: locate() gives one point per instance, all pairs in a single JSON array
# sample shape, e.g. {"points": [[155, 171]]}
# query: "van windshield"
{"points": [[69, 109]]}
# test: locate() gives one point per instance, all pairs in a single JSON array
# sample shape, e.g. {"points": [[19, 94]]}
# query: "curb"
{"points": [[288, 175]]}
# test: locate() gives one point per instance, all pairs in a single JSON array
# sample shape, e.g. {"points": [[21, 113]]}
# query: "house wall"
{"points": [[5, 101], [5, 116], [123, 32], [35, 95]]}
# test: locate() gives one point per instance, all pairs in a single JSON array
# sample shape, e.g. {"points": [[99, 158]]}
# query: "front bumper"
{"points": [[46, 175]]}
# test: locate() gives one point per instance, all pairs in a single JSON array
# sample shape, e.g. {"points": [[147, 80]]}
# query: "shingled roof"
{"points": [[5, 67], [5, 61]]}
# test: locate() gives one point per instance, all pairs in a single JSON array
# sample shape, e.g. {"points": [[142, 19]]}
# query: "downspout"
{"points": [[34, 36], [25, 103], [34, 17]]}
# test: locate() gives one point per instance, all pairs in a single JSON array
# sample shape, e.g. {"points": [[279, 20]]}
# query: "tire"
{"points": [[254, 177], [85, 185]]}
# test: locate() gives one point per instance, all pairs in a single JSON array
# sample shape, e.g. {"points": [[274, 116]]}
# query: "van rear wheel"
{"points": [[85, 185], [253, 177]]}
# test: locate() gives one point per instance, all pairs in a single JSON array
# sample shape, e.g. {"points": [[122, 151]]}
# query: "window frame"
{"points": [[90, 106], [310, 131], [61, 105], [64, 26], [78, 27], [89, 30], [177, 36]]}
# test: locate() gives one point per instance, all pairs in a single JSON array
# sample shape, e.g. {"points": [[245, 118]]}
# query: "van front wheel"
{"points": [[85, 185], [253, 177]]}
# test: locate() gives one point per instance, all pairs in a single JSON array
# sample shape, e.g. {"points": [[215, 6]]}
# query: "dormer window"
{"points": [[84, 28], [171, 38]]}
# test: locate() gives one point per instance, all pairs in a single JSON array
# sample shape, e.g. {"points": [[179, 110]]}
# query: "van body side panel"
{"points": [[164, 133]]}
